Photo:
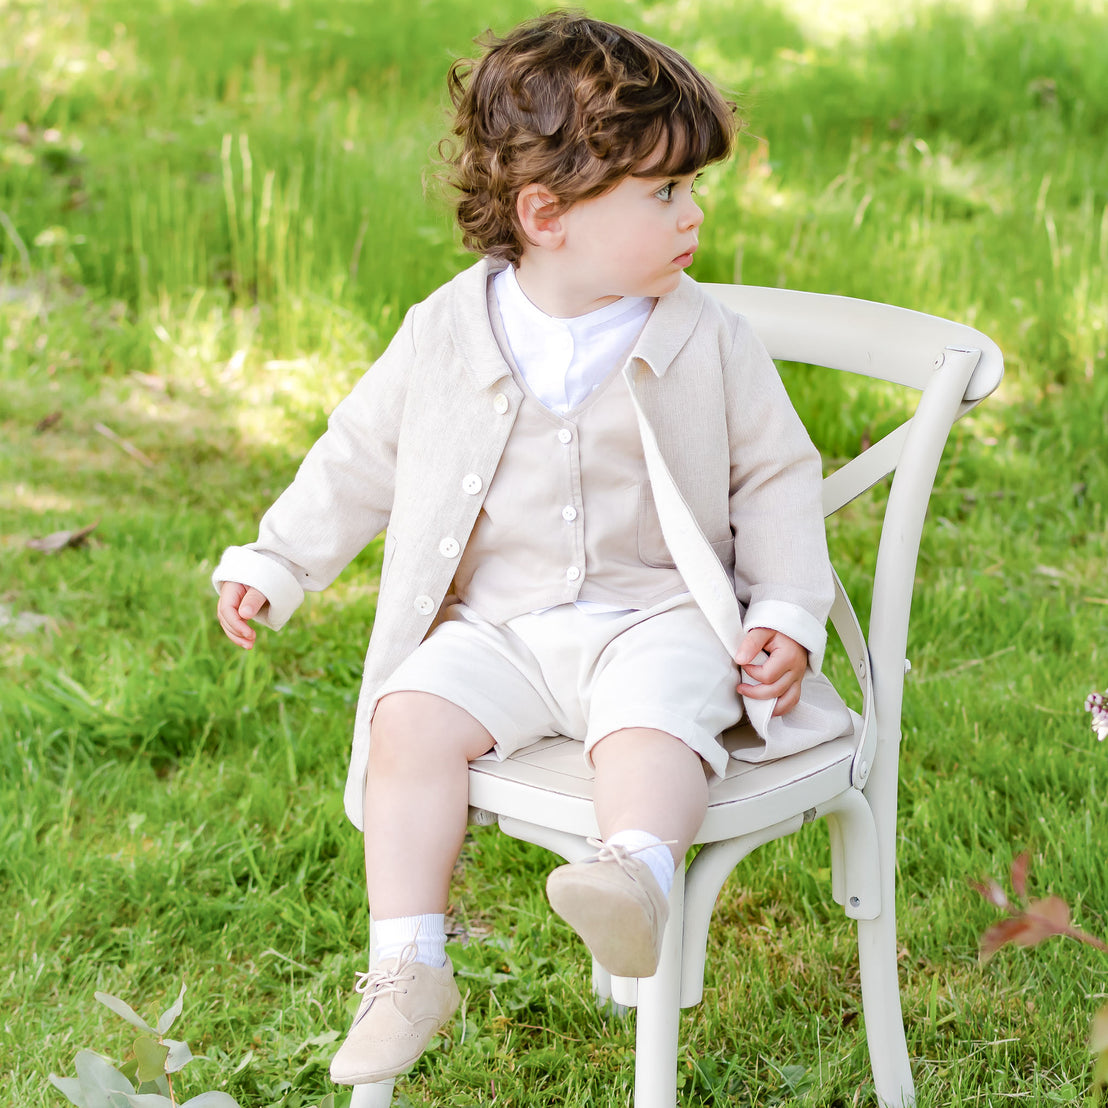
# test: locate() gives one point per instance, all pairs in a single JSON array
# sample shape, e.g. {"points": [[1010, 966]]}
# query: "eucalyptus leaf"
{"points": [[149, 1100], [179, 1055], [99, 1079], [161, 1085], [70, 1088], [151, 1056], [122, 1008], [212, 1099], [169, 1016]]}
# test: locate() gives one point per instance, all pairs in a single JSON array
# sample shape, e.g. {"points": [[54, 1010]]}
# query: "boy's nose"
{"points": [[691, 216]]}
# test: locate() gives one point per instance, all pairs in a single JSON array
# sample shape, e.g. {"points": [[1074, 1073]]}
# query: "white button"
{"points": [[569, 513], [471, 483], [572, 573], [424, 605], [500, 403], [565, 435], [449, 548]]}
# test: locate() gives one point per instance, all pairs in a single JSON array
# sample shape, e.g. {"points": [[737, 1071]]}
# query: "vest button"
{"points": [[569, 513], [500, 404], [573, 573], [424, 605], [565, 436], [449, 548], [471, 484]]}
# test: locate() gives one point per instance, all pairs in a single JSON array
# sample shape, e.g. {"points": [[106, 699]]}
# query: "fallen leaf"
{"points": [[59, 540], [47, 422]]}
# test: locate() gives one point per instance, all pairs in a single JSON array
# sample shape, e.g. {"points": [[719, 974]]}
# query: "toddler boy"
{"points": [[527, 588]]}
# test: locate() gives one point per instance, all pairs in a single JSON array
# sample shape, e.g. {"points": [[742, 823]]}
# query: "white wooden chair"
{"points": [[543, 794]]}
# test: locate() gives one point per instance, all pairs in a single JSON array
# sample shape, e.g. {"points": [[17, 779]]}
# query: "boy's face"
{"points": [[634, 240]]}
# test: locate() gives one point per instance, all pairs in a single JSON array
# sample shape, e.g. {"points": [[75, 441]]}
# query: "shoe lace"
{"points": [[618, 853], [383, 979]]}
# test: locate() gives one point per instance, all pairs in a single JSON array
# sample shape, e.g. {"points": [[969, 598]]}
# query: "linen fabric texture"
{"points": [[583, 674], [416, 444]]}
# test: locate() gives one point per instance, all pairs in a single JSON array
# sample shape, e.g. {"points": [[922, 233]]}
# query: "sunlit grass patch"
{"points": [[212, 218]]}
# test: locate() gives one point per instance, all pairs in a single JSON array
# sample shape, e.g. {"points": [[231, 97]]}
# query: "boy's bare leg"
{"points": [[649, 786], [649, 780], [417, 800]]}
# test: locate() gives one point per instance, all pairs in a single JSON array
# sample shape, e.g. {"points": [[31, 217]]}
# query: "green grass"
{"points": [[213, 216]]}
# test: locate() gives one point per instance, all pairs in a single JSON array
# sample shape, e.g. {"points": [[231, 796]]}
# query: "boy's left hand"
{"points": [[780, 675]]}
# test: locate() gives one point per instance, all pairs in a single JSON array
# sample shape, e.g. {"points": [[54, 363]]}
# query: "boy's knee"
{"points": [[398, 727], [413, 727]]}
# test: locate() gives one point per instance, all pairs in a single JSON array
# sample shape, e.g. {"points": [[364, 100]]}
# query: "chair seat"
{"points": [[548, 783]]}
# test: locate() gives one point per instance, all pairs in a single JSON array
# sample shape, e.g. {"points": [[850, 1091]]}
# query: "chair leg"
{"points": [[377, 1095], [659, 1014], [888, 1050]]}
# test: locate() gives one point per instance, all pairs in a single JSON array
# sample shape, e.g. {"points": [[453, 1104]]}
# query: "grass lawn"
{"points": [[212, 217]]}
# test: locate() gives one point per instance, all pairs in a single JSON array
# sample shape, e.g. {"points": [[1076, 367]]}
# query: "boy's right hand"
{"points": [[237, 605]]}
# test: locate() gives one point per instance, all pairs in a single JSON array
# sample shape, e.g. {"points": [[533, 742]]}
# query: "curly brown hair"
{"points": [[576, 105]]}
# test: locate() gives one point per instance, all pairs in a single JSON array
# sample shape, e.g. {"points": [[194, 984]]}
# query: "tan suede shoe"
{"points": [[403, 1004], [616, 905]]}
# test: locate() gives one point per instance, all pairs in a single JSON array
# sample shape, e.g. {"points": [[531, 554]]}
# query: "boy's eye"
{"points": [[665, 192]]}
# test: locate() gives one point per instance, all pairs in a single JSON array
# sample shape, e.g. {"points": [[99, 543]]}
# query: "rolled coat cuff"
{"points": [[792, 620], [264, 573]]}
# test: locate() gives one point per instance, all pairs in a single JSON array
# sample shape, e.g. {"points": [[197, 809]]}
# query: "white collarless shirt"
{"points": [[563, 360]]}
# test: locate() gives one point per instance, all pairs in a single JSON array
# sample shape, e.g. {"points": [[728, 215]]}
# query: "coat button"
{"points": [[565, 436], [449, 548], [500, 403], [471, 484], [424, 605], [569, 513]]}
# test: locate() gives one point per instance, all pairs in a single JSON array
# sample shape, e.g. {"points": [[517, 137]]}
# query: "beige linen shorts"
{"points": [[582, 674]]}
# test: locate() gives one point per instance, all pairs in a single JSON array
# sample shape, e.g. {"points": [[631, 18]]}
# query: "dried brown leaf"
{"points": [[47, 422], [60, 540], [1020, 866]]}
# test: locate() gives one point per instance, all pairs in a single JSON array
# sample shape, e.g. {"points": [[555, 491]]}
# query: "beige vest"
{"points": [[569, 514]]}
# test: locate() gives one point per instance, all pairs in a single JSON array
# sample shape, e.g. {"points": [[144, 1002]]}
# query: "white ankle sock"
{"points": [[428, 932], [650, 849]]}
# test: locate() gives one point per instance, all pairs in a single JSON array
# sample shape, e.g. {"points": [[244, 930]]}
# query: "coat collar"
{"points": [[670, 326], [668, 329], [474, 340]]}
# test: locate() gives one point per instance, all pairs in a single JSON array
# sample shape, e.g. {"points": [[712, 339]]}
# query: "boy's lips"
{"points": [[686, 258]]}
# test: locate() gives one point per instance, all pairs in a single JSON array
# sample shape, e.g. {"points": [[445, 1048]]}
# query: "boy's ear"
{"points": [[538, 215]]}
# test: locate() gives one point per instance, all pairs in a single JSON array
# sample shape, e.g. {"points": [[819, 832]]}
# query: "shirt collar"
{"points": [[578, 326], [669, 327]]}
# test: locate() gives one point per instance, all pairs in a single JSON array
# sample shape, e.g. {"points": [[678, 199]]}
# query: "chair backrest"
{"points": [[953, 367]]}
